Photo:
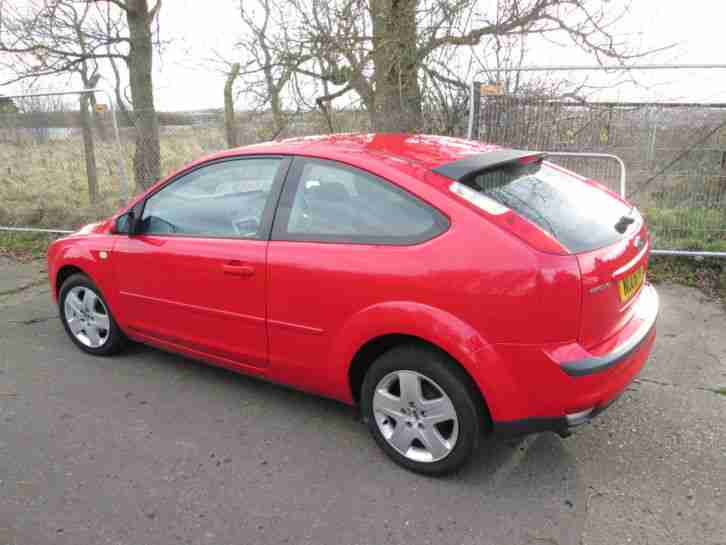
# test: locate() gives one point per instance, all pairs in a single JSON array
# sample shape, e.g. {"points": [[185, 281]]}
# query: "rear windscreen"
{"points": [[580, 216]]}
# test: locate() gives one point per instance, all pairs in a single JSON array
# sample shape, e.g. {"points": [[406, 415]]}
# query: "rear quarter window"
{"points": [[331, 202]]}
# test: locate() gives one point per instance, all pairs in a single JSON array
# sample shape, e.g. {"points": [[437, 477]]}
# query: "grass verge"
{"points": [[706, 274], [24, 246]]}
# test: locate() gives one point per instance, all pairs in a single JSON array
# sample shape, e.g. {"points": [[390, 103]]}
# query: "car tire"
{"points": [[86, 317], [395, 409]]}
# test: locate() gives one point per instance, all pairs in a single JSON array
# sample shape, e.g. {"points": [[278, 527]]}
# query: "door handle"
{"points": [[238, 269]]}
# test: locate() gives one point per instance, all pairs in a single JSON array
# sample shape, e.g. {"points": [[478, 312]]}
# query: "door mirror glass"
{"points": [[124, 223]]}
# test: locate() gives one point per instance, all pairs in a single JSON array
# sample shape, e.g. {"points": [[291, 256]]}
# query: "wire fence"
{"points": [[675, 154], [61, 165]]}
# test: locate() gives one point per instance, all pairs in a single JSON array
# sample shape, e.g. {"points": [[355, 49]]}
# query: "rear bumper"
{"points": [[562, 425], [648, 307], [562, 387]]}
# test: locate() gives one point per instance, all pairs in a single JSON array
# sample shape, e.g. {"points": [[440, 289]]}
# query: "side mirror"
{"points": [[126, 223]]}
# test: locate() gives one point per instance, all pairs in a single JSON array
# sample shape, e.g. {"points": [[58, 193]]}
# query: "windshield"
{"points": [[580, 216]]}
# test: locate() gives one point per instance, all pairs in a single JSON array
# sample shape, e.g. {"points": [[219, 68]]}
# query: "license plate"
{"points": [[629, 285]]}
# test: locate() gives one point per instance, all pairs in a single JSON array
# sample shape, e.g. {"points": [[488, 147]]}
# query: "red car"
{"points": [[448, 288]]}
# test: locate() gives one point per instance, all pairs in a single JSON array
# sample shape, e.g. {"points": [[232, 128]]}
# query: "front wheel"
{"points": [[87, 318], [421, 410]]}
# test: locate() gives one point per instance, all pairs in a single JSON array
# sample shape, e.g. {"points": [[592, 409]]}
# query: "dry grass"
{"points": [[45, 185]]}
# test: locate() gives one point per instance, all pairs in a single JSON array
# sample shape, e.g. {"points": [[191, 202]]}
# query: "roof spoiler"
{"points": [[481, 162]]}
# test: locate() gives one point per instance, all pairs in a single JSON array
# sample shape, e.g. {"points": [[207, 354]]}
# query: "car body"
{"points": [[294, 287]]}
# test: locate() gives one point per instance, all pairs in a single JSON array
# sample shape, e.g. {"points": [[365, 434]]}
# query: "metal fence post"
{"points": [[123, 180], [651, 154], [474, 108]]}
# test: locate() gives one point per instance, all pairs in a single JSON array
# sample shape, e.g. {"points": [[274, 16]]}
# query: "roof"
{"points": [[427, 151], [410, 154]]}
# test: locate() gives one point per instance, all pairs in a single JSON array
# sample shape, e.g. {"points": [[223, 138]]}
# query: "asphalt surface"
{"points": [[152, 448]]}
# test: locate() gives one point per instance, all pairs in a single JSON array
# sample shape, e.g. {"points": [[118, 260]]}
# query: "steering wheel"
{"points": [[246, 226]]}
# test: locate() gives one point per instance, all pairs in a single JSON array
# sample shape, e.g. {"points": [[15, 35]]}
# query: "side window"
{"points": [[224, 199], [336, 203]]}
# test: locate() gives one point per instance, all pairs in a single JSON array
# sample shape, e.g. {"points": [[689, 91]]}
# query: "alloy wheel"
{"points": [[87, 317], [415, 416]]}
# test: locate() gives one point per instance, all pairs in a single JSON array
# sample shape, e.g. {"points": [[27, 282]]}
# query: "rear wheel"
{"points": [[87, 318], [421, 410]]}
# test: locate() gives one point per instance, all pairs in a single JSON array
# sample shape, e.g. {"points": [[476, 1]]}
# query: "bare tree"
{"points": [[88, 70], [260, 49], [55, 37], [55, 24], [147, 157], [382, 50], [268, 60]]}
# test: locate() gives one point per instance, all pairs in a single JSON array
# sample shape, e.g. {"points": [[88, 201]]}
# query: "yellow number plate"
{"points": [[630, 284]]}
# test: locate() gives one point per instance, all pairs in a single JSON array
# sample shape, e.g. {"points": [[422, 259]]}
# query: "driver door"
{"points": [[193, 277]]}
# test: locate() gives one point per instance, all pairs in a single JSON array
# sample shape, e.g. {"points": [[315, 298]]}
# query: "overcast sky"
{"points": [[186, 78]]}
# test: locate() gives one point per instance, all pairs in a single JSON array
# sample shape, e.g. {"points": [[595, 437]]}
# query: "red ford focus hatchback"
{"points": [[448, 288]]}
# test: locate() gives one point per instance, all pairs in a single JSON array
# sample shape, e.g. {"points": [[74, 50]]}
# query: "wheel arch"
{"points": [[65, 272], [377, 346], [82, 255], [378, 328]]}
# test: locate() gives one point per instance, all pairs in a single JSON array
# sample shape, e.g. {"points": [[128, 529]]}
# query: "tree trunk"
{"points": [[278, 116], [397, 102], [274, 90], [89, 151], [147, 156], [230, 124]]}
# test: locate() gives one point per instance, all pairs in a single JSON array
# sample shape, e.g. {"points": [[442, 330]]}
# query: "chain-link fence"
{"points": [[675, 154]]}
